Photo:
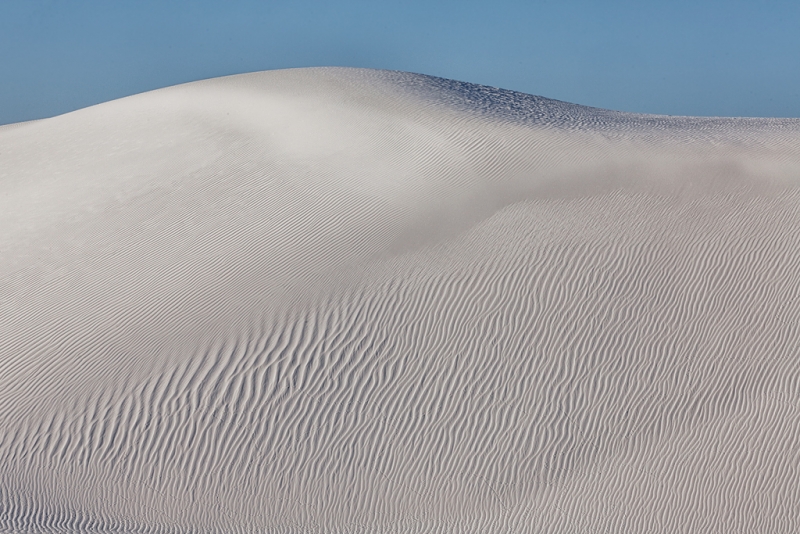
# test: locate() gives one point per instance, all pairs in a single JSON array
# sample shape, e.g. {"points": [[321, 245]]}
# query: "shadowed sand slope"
{"points": [[340, 300]]}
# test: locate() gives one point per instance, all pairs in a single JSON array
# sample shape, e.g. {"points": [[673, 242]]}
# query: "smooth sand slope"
{"points": [[338, 300]]}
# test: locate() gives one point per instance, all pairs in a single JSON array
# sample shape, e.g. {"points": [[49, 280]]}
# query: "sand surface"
{"points": [[340, 300]]}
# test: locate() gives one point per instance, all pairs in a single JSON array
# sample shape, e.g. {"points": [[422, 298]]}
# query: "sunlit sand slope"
{"points": [[338, 300]]}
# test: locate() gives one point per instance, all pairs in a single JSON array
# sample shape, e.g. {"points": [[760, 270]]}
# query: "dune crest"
{"points": [[343, 300]]}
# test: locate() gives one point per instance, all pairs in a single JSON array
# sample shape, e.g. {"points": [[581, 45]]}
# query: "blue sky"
{"points": [[674, 57]]}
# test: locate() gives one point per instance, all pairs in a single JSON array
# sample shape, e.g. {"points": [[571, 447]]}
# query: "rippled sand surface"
{"points": [[340, 300]]}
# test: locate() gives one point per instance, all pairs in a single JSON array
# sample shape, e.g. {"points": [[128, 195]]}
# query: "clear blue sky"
{"points": [[675, 57]]}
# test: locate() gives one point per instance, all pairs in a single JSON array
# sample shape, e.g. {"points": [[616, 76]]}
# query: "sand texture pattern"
{"points": [[340, 300]]}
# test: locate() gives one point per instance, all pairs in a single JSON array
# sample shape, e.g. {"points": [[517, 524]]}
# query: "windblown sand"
{"points": [[339, 300]]}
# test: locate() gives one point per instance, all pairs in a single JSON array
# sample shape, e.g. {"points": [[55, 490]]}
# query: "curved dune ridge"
{"points": [[342, 300]]}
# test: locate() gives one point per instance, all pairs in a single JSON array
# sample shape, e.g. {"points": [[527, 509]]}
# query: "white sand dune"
{"points": [[340, 300]]}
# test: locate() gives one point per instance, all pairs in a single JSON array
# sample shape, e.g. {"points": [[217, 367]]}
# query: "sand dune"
{"points": [[340, 300]]}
